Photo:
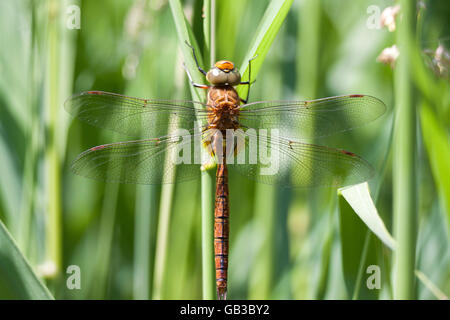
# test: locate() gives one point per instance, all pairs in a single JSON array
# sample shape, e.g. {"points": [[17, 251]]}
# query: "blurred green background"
{"points": [[285, 243]]}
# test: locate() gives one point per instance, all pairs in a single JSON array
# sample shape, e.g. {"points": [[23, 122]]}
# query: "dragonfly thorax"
{"points": [[223, 108]]}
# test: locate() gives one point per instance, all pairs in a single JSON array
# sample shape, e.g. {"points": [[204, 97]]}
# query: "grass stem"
{"points": [[404, 166], [208, 181], [53, 165]]}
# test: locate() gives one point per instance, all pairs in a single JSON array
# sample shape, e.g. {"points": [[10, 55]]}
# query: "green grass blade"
{"points": [[438, 149], [231, 22], [358, 252], [360, 248], [358, 196], [431, 286], [309, 49], [209, 31], [17, 279], [267, 30], [261, 281], [185, 33]]}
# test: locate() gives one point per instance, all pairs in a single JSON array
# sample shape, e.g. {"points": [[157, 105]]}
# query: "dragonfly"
{"points": [[156, 125]]}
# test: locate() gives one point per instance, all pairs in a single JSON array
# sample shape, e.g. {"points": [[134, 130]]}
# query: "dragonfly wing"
{"points": [[151, 161], [133, 116], [294, 164], [314, 118]]}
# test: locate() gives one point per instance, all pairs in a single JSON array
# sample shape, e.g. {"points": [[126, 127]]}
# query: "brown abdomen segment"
{"points": [[221, 230]]}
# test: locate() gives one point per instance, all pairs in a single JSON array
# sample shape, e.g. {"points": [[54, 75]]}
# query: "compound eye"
{"points": [[216, 76], [234, 77]]}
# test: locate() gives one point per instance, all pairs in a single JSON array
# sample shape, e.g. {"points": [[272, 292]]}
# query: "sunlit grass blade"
{"points": [[209, 29], [185, 33], [261, 280], [267, 30], [362, 232], [358, 196], [17, 279], [231, 23]]}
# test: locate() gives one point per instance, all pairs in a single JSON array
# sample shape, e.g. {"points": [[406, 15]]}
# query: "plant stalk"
{"points": [[404, 166], [208, 181], [53, 165]]}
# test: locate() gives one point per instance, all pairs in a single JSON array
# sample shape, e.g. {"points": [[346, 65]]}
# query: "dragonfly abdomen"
{"points": [[223, 106], [221, 230]]}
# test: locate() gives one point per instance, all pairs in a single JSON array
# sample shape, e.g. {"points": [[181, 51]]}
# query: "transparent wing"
{"points": [[314, 118], [133, 116], [294, 164], [151, 161]]}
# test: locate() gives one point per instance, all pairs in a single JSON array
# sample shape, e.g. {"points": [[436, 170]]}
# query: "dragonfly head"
{"points": [[224, 73]]}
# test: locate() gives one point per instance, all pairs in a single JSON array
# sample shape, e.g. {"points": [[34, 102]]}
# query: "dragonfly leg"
{"points": [[195, 58], [197, 85], [249, 79]]}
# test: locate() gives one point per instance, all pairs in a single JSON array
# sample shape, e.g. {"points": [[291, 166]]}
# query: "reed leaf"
{"points": [[267, 30], [438, 149], [17, 279]]}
